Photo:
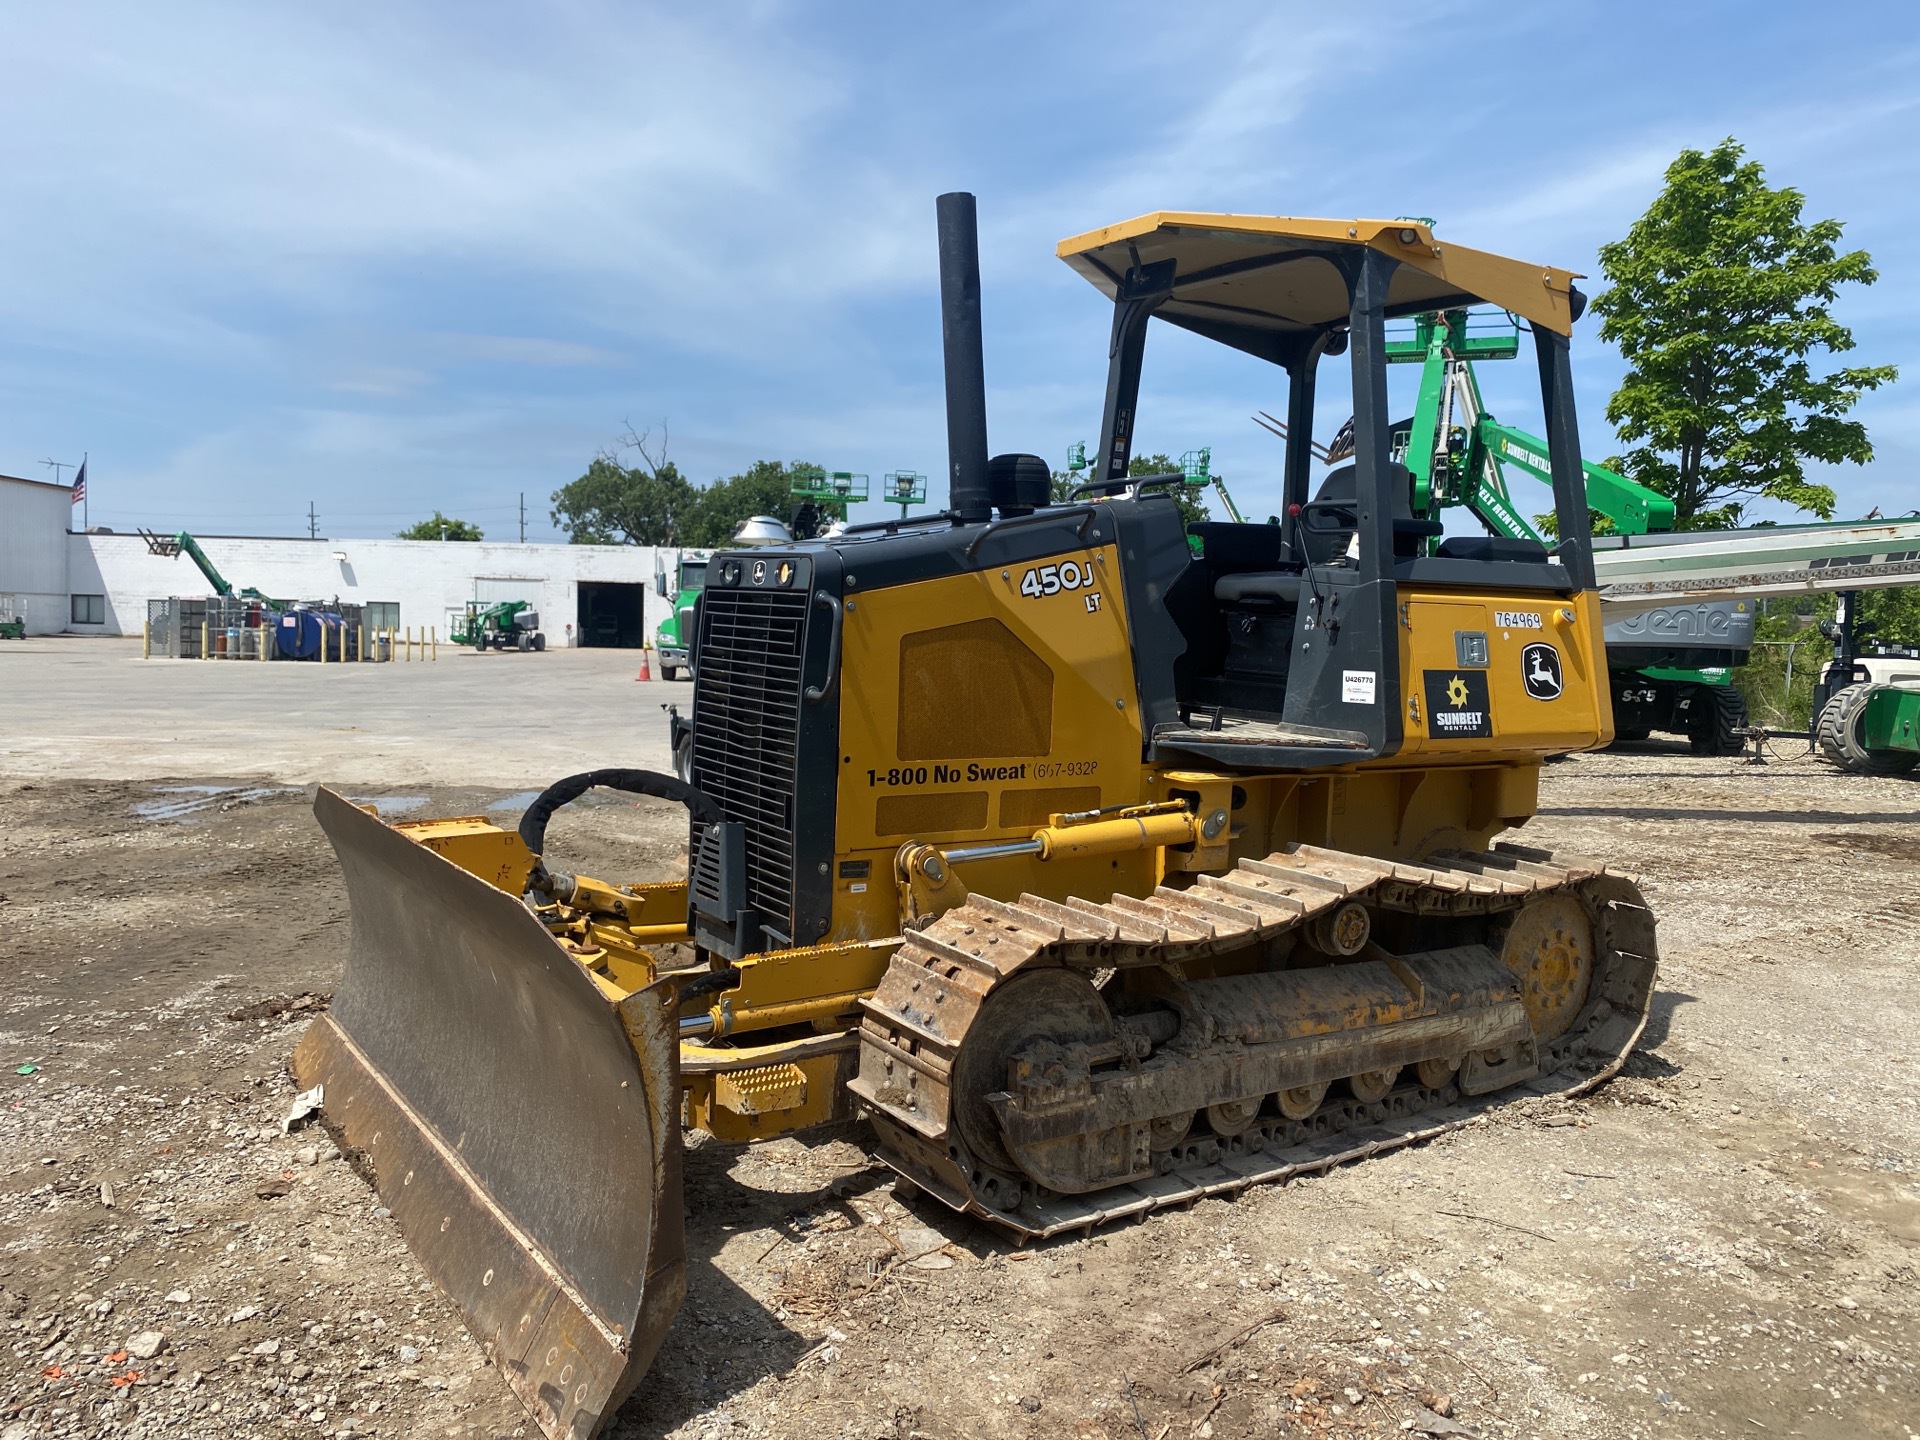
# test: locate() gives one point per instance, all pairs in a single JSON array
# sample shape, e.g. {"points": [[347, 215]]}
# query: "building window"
{"points": [[89, 609]]}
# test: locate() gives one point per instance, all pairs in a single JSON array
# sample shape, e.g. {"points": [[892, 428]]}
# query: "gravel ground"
{"points": [[1721, 1242]]}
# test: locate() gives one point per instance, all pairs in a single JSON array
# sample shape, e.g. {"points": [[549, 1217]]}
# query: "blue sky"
{"points": [[387, 258]]}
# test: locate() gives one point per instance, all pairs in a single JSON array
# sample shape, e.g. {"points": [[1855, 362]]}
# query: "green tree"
{"points": [[1891, 616], [1193, 507], [646, 503], [649, 502], [443, 527], [763, 488], [1719, 302]]}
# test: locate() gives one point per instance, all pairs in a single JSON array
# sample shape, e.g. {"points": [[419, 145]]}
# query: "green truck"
{"points": [[683, 588]]}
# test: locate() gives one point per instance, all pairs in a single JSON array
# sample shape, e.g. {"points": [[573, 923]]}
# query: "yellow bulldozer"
{"points": [[1095, 870]]}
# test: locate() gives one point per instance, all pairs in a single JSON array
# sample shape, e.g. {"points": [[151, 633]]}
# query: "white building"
{"points": [[99, 584], [33, 552]]}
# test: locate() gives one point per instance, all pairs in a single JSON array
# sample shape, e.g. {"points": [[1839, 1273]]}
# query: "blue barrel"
{"points": [[299, 632]]}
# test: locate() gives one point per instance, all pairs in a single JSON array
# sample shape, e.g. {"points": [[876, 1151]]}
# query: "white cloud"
{"points": [[415, 251]]}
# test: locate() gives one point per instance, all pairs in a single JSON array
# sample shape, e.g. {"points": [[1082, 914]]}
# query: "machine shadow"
{"points": [[726, 1339], [1659, 1026], [1766, 817]]}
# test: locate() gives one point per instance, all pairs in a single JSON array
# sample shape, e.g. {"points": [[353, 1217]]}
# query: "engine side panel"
{"points": [[995, 698]]}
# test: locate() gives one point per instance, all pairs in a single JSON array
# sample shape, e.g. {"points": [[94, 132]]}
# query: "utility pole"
{"points": [[523, 517], [313, 522]]}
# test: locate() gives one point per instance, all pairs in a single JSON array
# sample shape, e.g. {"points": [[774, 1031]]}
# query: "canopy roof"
{"points": [[1267, 284]]}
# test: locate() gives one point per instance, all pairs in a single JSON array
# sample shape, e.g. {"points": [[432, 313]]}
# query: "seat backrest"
{"points": [[1326, 546], [1231, 549]]}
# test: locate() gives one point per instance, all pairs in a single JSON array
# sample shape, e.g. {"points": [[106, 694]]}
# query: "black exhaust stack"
{"points": [[965, 359]]}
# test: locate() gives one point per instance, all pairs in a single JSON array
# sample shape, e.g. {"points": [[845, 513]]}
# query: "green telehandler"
{"points": [[185, 544]]}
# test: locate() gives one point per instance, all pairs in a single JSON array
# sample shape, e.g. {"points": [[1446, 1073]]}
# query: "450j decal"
{"points": [[1041, 581]]}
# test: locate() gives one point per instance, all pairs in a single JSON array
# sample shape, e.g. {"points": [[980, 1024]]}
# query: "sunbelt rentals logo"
{"points": [[1457, 705]]}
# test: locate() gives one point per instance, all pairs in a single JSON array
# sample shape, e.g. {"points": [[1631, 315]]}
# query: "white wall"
{"points": [[43, 565], [429, 579], [33, 551]]}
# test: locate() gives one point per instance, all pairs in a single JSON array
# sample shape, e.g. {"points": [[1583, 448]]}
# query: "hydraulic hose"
{"points": [[533, 824], [709, 984]]}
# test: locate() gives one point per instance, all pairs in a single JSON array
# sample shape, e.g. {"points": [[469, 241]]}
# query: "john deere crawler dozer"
{"points": [[1095, 875]]}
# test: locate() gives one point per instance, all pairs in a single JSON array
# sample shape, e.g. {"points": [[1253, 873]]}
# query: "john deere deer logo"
{"points": [[1540, 668]]}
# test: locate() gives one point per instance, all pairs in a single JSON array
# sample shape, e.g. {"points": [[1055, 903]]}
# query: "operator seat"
{"points": [[1336, 499]]}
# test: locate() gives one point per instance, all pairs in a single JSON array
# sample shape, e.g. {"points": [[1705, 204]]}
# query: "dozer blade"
{"points": [[523, 1128]]}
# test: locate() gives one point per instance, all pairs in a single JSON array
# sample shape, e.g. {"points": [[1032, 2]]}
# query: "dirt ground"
{"points": [[1723, 1242]]}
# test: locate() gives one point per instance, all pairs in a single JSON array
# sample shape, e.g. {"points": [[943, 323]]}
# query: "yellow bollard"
{"points": [[323, 643], [362, 657], [206, 648], [409, 643], [435, 632], [146, 640], [264, 635]]}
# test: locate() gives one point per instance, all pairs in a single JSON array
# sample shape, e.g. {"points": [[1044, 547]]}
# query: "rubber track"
{"points": [[917, 1019]]}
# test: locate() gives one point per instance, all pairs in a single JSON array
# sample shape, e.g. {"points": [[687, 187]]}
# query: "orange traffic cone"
{"points": [[646, 669]]}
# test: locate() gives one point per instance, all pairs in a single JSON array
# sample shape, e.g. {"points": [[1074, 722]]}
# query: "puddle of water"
{"points": [[592, 800], [196, 799], [519, 800], [388, 806]]}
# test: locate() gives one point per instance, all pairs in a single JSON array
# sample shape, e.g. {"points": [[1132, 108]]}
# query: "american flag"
{"points": [[1341, 446], [80, 484]]}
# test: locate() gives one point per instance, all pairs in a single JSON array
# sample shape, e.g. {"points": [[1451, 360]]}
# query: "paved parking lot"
{"points": [[74, 708]]}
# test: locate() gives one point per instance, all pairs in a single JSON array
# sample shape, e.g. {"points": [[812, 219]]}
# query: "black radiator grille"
{"points": [[746, 730]]}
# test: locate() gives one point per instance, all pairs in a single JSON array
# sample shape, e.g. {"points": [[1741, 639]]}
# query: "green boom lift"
{"points": [[1460, 455], [499, 625]]}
